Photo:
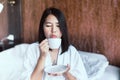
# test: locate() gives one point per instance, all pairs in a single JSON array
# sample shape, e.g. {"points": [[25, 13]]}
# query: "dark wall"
{"points": [[15, 20], [11, 23]]}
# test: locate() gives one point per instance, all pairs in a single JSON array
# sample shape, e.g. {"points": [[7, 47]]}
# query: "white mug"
{"points": [[54, 43]]}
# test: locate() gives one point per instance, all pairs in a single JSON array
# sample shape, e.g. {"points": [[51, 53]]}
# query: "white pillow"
{"points": [[95, 64]]}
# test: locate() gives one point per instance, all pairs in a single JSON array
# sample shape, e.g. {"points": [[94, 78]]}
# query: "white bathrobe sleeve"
{"points": [[30, 60], [77, 66]]}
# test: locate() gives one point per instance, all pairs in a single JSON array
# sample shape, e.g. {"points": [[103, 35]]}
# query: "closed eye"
{"points": [[48, 25], [58, 25]]}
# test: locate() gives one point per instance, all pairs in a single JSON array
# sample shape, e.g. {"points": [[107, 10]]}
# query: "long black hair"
{"points": [[62, 23]]}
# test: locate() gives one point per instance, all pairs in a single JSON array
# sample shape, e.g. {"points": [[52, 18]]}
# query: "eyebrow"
{"points": [[50, 23], [47, 22]]}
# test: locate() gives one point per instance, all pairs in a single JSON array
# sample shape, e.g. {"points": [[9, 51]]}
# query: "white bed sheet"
{"points": [[111, 73]]}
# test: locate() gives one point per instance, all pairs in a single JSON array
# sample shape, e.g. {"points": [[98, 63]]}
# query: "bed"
{"points": [[111, 73], [96, 65], [105, 71]]}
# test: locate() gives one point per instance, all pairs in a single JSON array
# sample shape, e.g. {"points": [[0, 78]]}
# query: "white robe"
{"points": [[71, 57]]}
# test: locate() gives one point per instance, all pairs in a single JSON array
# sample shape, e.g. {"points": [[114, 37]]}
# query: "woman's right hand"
{"points": [[39, 69], [44, 48]]}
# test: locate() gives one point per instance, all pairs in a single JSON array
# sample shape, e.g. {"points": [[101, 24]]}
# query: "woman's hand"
{"points": [[66, 74], [44, 48], [39, 69]]}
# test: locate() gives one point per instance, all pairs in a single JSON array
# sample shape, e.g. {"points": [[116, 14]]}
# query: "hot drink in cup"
{"points": [[54, 43]]}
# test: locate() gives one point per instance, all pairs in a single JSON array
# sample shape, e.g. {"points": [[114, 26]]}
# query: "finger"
{"points": [[43, 42], [68, 67], [44, 48], [67, 70]]}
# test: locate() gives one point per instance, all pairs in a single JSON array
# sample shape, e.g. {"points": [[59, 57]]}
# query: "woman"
{"points": [[39, 55]]}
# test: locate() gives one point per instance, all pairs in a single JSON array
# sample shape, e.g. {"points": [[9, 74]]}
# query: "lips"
{"points": [[53, 36]]}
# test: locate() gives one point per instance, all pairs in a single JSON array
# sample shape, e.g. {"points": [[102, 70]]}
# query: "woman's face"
{"points": [[51, 27]]}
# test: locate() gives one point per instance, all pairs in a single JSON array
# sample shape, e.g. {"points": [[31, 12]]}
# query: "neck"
{"points": [[54, 55]]}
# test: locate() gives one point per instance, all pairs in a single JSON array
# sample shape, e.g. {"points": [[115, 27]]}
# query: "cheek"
{"points": [[60, 34], [46, 32]]}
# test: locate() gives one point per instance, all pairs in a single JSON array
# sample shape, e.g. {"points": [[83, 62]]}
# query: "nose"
{"points": [[54, 29]]}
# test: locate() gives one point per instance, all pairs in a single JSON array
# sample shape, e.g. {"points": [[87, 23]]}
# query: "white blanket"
{"points": [[95, 64], [11, 62]]}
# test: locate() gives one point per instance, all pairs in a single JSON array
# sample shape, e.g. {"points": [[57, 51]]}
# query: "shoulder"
{"points": [[33, 47], [34, 44], [33, 50], [72, 48], [71, 51]]}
